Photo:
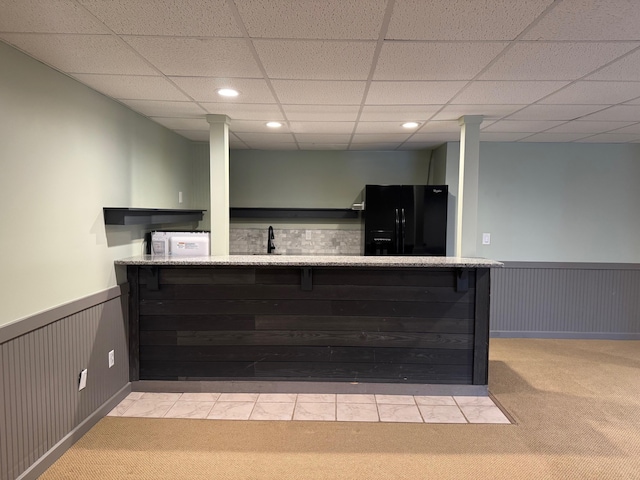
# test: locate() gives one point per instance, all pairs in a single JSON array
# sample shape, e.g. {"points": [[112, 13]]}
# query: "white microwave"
{"points": [[186, 244]]}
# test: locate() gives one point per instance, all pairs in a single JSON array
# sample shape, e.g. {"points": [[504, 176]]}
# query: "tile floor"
{"points": [[318, 407]]}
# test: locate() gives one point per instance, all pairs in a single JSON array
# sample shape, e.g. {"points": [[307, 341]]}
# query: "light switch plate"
{"points": [[112, 358], [486, 239]]}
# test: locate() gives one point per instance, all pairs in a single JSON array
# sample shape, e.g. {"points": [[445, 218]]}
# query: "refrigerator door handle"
{"points": [[397, 231], [404, 224]]}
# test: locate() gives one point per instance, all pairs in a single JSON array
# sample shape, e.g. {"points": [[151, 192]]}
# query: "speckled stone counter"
{"points": [[314, 261], [353, 319]]}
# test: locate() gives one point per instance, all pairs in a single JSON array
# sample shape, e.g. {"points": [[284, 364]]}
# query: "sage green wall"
{"points": [[559, 202], [66, 152], [317, 179]]}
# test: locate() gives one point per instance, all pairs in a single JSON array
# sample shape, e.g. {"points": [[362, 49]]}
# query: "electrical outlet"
{"points": [[82, 380], [112, 358], [486, 239], [179, 197]]}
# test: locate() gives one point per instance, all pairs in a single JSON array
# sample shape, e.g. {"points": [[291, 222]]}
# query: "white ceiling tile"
{"points": [[631, 129], [521, 126], [374, 146], [412, 93], [245, 111], [383, 127], [397, 113], [595, 93], [454, 112], [545, 137], [553, 61], [255, 126], [626, 68], [81, 53], [193, 124], [322, 127], [196, 18], [160, 108], [611, 138], [324, 19], [617, 113], [215, 57], [133, 87], [316, 60], [323, 146], [420, 146], [502, 136], [322, 138], [508, 93], [434, 137], [554, 112], [273, 145], [578, 126], [265, 137], [195, 135], [204, 89], [47, 16], [321, 92], [322, 113], [433, 60], [371, 138], [589, 20], [441, 126], [462, 19]]}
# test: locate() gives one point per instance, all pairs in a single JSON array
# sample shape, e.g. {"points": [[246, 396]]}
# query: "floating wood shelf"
{"points": [[293, 213], [149, 216]]}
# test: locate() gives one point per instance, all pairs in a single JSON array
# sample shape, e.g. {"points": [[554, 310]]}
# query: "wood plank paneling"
{"points": [[254, 322]]}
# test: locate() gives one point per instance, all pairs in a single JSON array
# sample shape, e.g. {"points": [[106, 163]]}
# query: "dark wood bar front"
{"points": [[391, 324]]}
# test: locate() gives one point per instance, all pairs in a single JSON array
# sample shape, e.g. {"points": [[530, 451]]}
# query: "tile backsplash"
{"points": [[296, 241]]}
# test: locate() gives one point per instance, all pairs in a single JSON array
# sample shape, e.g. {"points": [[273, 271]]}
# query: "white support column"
{"points": [[219, 183], [467, 204]]}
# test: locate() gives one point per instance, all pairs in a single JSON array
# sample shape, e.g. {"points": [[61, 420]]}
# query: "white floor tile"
{"points": [[356, 398], [484, 401], [434, 400], [121, 408], [199, 397], [399, 413], [277, 397], [442, 414], [231, 410], [135, 395], [316, 397], [483, 414], [315, 411], [170, 397], [238, 397], [149, 408], [182, 409], [357, 412], [272, 411], [396, 399]]}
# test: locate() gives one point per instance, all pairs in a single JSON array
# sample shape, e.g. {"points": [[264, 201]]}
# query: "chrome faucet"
{"points": [[270, 238]]}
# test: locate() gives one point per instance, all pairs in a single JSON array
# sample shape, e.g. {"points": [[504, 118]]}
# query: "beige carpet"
{"points": [[576, 404]]}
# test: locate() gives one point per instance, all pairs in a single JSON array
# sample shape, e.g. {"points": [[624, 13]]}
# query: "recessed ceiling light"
{"points": [[274, 124], [228, 92], [410, 124]]}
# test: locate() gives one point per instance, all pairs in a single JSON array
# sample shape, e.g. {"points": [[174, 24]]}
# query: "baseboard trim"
{"points": [[249, 386], [49, 458], [566, 335]]}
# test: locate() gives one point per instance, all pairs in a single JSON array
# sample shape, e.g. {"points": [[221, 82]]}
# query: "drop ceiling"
{"points": [[345, 74]]}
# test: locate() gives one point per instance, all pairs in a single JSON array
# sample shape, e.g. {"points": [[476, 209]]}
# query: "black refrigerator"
{"points": [[405, 220]]}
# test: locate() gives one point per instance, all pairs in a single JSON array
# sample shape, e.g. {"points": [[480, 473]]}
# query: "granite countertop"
{"points": [[314, 261]]}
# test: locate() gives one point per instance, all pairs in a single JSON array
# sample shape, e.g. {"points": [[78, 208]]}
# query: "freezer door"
{"points": [[382, 220], [425, 232]]}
